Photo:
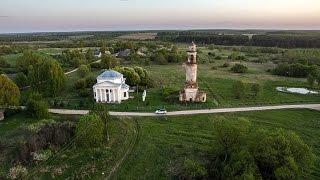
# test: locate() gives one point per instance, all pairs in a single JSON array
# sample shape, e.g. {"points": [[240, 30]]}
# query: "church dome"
{"points": [[110, 74]]}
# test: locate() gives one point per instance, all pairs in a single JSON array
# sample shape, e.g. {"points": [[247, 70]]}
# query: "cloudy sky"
{"points": [[83, 15]]}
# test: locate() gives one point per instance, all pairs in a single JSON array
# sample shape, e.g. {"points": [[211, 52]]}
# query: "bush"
{"points": [[4, 63], [218, 57], [17, 172], [193, 170], [169, 94], [80, 84], [95, 65], [226, 64], [256, 89], [214, 68], [239, 90], [90, 131], [83, 70], [37, 107], [293, 70], [85, 93], [90, 80], [239, 68], [21, 80]]}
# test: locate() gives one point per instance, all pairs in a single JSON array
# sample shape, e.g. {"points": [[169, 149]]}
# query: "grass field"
{"points": [[155, 147], [216, 83], [164, 143], [139, 36]]}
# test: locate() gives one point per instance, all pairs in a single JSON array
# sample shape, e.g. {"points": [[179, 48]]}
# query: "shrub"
{"points": [[256, 89], [214, 68], [292, 70], [90, 80], [239, 68], [239, 90], [4, 63], [90, 131], [80, 84], [95, 65], [85, 93], [193, 170], [218, 57], [311, 80], [211, 54], [169, 94], [21, 80], [226, 64], [17, 172], [37, 107], [83, 70]]}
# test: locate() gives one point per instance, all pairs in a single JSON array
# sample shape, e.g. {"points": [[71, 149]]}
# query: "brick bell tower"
{"points": [[191, 92]]}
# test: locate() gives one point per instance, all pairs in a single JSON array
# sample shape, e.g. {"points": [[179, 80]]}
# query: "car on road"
{"points": [[161, 111]]}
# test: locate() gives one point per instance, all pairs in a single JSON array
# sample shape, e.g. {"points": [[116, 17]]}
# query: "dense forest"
{"points": [[270, 39]]}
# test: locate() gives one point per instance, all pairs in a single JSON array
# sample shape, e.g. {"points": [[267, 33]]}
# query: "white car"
{"points": [[161, 111]]}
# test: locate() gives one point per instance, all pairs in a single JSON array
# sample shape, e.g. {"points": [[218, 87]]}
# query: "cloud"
{"points": [[4, 16]]}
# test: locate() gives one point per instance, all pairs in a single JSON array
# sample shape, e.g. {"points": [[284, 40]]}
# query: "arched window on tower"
{"points": [[192, 58]]}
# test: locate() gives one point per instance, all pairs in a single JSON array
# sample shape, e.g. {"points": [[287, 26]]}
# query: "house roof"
{"points": [[97, 52], [125, 86], [110, 74], [124, 53]]}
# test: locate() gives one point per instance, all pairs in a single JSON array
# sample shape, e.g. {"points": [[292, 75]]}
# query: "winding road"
{"points": [[193, 112]]}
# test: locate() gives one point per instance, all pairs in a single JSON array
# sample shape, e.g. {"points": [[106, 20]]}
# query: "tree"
{"points": [[281, 154], [9, 92], [109, 62], [83, 70], [130, 74], [242, 151], [21, 80], [54, 77], [102, 111], [239, 89], [90, 131], [37, 107], [90, 56], [256, 89]]}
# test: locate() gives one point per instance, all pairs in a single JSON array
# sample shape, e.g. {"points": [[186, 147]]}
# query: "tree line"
{"points": [[265, 40]]}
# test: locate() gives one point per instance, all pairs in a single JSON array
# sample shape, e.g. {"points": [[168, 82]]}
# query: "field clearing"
{"points": [[217, 83], [139, 36], [164, 143]]}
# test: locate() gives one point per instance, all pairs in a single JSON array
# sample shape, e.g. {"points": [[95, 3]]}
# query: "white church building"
{"points": [[111, 87]]}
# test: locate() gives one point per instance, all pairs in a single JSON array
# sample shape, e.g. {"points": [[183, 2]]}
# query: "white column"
{"points": [[95, 94], [107, 92], [100, 95], [114, 95], [113, 100], [104, 95]]}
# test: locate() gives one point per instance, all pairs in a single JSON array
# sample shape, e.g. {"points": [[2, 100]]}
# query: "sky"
{"points": [[108, 15]]}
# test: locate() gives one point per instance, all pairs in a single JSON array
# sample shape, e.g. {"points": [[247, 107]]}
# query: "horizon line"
{"points": [[180, 29]]}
